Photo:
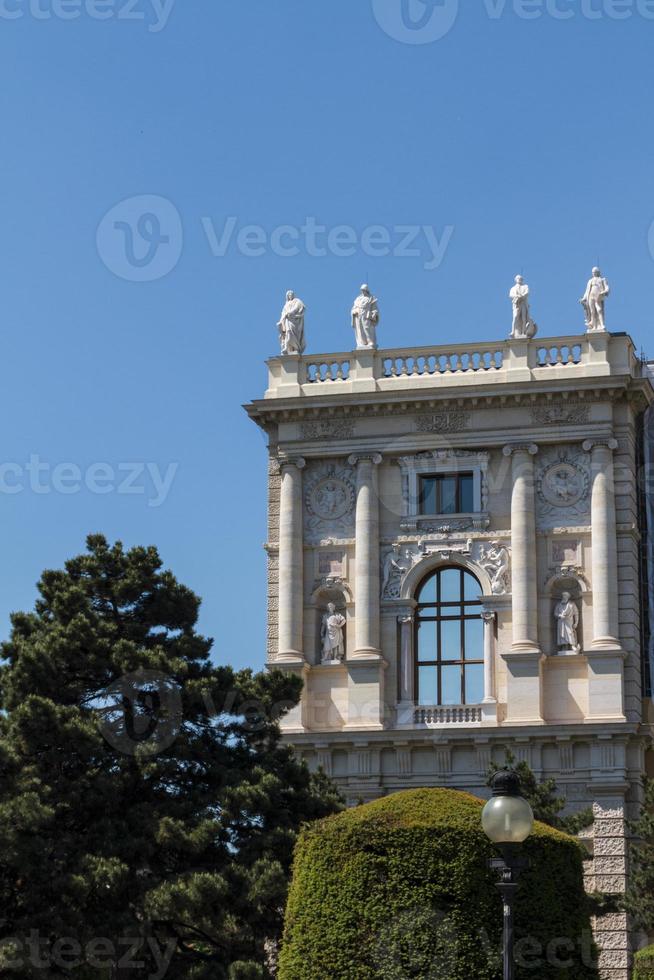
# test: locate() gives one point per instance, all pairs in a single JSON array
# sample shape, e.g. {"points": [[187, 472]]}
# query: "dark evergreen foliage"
{"points": [[144, 790]]}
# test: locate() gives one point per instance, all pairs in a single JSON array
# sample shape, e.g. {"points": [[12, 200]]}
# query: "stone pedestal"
{"points": [[366, 694]]}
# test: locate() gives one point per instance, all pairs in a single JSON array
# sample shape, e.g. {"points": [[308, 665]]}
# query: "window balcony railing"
{"points": [[460, 714]]}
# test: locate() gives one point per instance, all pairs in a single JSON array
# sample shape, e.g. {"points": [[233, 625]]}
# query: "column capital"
{"points": [[488, 616], [299, 462], [355, 458], [610, 444], [521, 447]]}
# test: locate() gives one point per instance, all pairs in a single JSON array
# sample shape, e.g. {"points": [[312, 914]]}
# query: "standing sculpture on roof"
{"points": [[523, 327], [365, 317]]}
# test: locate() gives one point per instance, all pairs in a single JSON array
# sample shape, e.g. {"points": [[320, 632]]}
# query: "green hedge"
{"points": [[644, 964], [400, 889]]}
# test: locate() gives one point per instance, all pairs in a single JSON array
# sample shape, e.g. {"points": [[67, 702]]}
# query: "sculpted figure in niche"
{"points": [[594, 299], [523, 327], [332, 636], [495, 560], [291, 325], [365, 317], [567, 617]]}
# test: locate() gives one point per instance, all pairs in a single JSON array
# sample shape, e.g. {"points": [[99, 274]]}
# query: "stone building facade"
{"points": [[477, 516]]}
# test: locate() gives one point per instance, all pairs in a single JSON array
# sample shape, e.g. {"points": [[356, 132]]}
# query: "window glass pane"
{"points": [[427, 685], [448, 495], [450, 585], [428, 503], [467, 490], [474, 683], [428, 590], [471, 588], [474, 635], [451, 639], [451, 685], [427, 641]]}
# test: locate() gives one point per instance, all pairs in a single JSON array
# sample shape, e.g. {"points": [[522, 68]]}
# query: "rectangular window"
{"points": [[447, 493]]}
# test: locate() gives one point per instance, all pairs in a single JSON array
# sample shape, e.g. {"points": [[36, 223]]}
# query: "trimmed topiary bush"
{"points": [[644, 964], [400, 889]]}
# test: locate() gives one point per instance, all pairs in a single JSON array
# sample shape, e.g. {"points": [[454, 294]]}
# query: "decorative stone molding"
{"points": [[574, 413], [610, 443], [298, 461], [521, 447], [327, 430], [329, 501], [432, 463], [374, 458], [443, 422]]}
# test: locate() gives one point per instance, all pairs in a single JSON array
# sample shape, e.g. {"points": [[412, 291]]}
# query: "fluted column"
{"points": [[367, 584], [291, 586], [523, 548], [605, 544]]}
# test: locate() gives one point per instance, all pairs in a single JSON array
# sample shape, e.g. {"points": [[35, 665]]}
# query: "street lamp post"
{"points": [[508, 820]]}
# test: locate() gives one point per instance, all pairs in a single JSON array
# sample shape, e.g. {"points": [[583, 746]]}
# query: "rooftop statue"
{"points": [[365, 317], [523, 327], [291, 325], [593, 301]]}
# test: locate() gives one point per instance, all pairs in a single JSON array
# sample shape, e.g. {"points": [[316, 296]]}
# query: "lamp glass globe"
{"points": [[507, 819]]}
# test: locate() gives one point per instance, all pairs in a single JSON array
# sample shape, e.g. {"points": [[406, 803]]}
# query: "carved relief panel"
{"points": [[563, 487], [329, 501]]}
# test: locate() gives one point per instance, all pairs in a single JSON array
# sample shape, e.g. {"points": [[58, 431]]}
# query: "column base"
{"points": [[365, 653], [607, 643], [289, 658], [528, 648]]}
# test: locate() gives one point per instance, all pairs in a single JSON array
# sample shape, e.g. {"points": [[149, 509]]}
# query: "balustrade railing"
{"points": [[598, 354], [399, 364], [465, 714]]}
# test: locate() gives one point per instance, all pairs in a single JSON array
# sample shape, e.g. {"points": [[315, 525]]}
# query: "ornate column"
{"points": [[524, 682], [367, 582], [291, 585], [523, 546], [605, 544], [489, 619], [406, 657]]}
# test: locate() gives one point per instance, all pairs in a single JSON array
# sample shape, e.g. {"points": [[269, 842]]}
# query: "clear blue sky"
{"points": [[530, 139]]}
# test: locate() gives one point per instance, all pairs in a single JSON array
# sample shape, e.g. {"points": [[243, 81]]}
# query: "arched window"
{"points": [[449, 639]]}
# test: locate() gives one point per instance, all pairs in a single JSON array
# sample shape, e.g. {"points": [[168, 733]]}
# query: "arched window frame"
{"points": [[442, 666]]}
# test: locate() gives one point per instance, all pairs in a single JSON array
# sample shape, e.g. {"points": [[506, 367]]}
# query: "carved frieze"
{"points": [[565, 414], [328, 429], [329, 501], [443, 422]]}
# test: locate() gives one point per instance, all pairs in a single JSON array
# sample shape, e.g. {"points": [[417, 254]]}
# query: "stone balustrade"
{"points": [[449, 715], [456, 365]]}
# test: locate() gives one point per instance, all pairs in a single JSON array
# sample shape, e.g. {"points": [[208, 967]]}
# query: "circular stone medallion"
{"points": [[331, 498], [563, 485]]}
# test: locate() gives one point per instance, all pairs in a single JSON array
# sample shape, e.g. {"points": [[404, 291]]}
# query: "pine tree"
{"points": [[145, 796], [547, 806], [640, 892]]}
